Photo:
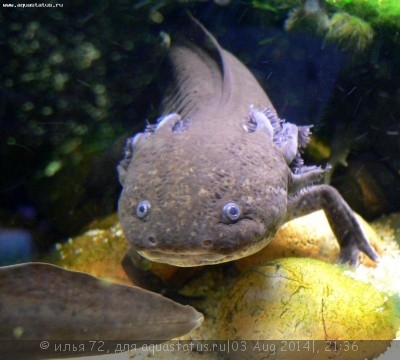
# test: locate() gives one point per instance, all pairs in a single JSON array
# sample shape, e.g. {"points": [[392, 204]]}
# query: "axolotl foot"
{"points": [[340, 217]]}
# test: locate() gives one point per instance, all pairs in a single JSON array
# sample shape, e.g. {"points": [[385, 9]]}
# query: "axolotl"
{"points": [[219, 172]]}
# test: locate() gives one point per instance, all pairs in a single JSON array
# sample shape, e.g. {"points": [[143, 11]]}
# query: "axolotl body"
{"points": [[220, 172]]}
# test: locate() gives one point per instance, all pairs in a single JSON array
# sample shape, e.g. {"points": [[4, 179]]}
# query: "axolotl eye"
{"points": [[231, 211], [143, 209]]}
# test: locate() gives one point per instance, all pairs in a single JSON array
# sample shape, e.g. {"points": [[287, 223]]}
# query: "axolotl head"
{"points": [[191, 201]]}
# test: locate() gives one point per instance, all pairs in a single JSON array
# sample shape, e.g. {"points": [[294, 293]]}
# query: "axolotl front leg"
{"points": [[340, 217], [304, 197]]}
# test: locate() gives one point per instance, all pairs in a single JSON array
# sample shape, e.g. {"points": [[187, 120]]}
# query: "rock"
{"points": [[307, 299], [98, 251]]}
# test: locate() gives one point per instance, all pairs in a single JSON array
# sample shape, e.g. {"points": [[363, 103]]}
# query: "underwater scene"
{"points": [[200, 179]]}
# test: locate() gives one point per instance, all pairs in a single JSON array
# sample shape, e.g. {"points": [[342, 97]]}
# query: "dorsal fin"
{"points": [[199, 71]]}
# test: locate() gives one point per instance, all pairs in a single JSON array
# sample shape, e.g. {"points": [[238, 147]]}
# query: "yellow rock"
{"points": [[308, 236], [98, 251], [307, 299]]}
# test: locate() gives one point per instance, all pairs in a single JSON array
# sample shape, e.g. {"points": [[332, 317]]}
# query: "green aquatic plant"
{"points": [[349, 31], [348, 23], [386, 12], [382, 12]]}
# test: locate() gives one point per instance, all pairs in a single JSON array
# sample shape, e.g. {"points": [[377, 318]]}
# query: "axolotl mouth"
{"points": [[234, 244], [185, 259], [188, 259]]}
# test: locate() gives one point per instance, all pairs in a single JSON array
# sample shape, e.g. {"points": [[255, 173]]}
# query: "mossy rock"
{"points": [[98, 251], [307, 299]]}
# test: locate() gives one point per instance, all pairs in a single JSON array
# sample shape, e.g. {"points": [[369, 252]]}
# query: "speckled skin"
{"points": [[48, 302], [188, 170]]}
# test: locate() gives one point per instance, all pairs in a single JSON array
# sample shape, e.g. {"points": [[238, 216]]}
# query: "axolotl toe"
{"points": [[220, 172]]}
